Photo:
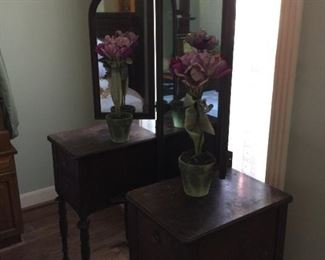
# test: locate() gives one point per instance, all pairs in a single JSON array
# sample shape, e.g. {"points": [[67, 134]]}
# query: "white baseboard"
{"points": [[37, 197]]}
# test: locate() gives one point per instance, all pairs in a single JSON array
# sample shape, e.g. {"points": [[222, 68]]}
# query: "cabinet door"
{"points": [[10, 217]]}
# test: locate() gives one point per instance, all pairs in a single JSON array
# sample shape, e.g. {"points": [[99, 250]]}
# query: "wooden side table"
{"points": [[92, 173], [240, 219], [11, 223]]}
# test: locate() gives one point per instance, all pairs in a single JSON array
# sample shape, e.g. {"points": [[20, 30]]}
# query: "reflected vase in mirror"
{"points": [[178, 113], [116, 54], [195, 68]]}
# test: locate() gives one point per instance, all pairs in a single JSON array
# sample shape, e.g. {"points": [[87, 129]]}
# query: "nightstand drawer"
{"points": [[155, 243], [228, 224], [6, 164]]}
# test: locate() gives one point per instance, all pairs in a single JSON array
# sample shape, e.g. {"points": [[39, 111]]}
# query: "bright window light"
{"points": [[257, 23]]}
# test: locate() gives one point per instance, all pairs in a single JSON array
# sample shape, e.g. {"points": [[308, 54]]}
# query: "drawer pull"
{"points": [[156, 237]]}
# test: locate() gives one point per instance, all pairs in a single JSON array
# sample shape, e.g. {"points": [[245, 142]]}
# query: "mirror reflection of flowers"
{"points": [[195, 69], [201, 41], [117, 51]]}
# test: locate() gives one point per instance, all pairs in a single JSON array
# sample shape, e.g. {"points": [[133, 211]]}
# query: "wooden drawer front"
{"points": [[67, 182], [250, 239], [10, 216], [6, 216], [155, 243], [6, 164]]}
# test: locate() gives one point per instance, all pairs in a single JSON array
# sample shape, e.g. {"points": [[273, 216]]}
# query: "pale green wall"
{"points": [[211, 16], [167, 33], [101, 7], [306, 158], [195, 12], [45, 45], [208, 15]]}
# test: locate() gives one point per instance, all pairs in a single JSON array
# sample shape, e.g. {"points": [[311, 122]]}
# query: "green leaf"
{"points": [[196, 119], [116, 89], [191, 118], [197, 122], [129, 61], [204, 123], [188, 101]]}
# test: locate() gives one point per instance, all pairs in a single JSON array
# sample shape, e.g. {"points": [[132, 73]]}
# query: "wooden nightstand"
{"points": [[11, 225], [92, 173], [240, 219]]}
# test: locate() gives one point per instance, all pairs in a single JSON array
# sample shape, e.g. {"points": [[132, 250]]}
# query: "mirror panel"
{"points": [[118, 18], [116, 6], [206, 15], [181, 17]]}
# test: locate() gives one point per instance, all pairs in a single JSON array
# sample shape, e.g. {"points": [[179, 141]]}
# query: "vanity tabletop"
{"points": [[188, 219], [96, 139]]}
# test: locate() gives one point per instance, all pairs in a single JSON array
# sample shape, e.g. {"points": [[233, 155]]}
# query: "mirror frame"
{"points": [[149, 60], [224, 86]]}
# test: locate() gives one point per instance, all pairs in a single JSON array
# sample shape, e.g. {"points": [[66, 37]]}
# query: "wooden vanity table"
{"points": [[11, 222], [92, 173], [240, 219]]}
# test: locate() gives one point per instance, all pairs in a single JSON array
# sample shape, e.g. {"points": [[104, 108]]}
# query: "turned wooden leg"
{"points": [[63, 228], [83, 225], [126, 222]]}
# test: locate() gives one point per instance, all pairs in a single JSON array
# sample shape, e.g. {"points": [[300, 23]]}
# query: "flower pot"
{"points": [[125, 108], [119, 125], [196, 178], [178, 113], [178, 116]]}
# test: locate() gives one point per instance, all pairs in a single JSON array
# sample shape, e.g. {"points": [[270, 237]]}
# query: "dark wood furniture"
{"points": [[41, 236], [11, 225], [93, 173], [240, 219]]}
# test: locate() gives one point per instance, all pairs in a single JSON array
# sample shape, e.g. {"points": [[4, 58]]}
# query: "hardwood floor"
{"points": [[41, 240]]}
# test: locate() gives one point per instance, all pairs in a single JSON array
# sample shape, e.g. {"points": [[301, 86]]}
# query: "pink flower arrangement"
{"points": [[119, 46], [117, 51], [202, 41], [195, 69]]}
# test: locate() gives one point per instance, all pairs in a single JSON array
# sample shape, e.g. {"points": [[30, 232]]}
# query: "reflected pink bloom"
{"points": [[195, 69], [119, 46], [201, 40]]}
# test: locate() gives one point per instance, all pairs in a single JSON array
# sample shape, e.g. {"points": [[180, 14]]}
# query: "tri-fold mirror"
{"points": [[180, 18], [108, 18], [151, 87]]}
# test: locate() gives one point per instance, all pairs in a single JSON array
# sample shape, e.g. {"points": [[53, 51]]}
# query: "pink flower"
{"points": [[177, 67], [195, 69], [119, 46], [201, 40], [195, 76]]}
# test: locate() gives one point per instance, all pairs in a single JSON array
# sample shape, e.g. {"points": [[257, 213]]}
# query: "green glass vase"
{"points": [[178, 113], [119, 125], [125, 108], [196, 178], [178, 117]]}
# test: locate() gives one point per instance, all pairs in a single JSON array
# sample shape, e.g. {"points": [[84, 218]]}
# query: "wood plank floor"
{"points": [[41, 240]]}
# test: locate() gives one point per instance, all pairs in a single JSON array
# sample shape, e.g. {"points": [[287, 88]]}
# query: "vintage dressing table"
{"points": [[240, 219], [91, 172], [11, 222]]}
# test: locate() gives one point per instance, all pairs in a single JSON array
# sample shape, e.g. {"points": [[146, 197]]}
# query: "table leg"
{"points": [[63, 228], [83, 225]]}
